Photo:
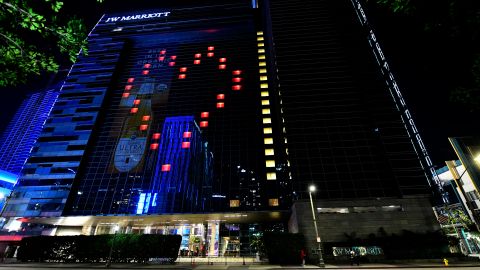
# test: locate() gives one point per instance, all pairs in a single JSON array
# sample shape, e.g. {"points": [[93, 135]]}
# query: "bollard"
{"points": [[445, 261]]}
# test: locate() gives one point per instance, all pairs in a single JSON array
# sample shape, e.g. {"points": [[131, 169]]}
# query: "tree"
{"points": [[34, 38]]}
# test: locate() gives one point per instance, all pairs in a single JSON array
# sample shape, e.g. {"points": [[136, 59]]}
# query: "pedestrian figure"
{"points": [[302, 256], [352, 257]]}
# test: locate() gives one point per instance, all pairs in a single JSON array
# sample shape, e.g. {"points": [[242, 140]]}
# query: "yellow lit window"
{"points": [[269, 152], [234, 203], [265, 111], [271, 176], [259, 33], [268, 140], [261, 44], [273, 202], [259, 38], [267, 130], [261, 57], [263, 70], [262, 64], [264, 93], [267, 120], [265, 102], [270, 163], [264, 85], [263, 78], [261, 50]]}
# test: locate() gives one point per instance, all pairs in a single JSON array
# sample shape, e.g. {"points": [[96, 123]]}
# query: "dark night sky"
{"points": [[424, 68]]}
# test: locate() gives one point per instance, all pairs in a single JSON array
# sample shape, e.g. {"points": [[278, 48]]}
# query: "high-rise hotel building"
{"points": [[225, 114]]}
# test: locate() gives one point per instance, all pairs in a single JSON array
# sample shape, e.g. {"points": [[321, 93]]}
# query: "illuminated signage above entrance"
{"points": [[138, 17]]}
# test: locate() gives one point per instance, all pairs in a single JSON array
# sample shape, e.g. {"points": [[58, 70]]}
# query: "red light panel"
{"points": [[166, 167], [222, 66], [145, 72], [130, 80], [236, 87], [183, 69], [204, 124], [211, 48], [163, 51], [182, 76], [185, 144], [236, 72], [125, 95], [156, 136], [161, 58], [147, 66], [133, 110], [136, 101], [220, 105], [236, 80], [171, 64], [210, 54], [173, 57], [143, 127], [187, 134], [222, 60], [154, 146], [128, 87], [198, 55], [220, 96], [204, 115], [196, 62], [146, 118]]}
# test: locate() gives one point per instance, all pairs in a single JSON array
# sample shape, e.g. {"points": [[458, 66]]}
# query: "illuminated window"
{"points": [[145, 72], [272, 202], [267, 120], [154, 146], [261, 50], [236, 72], [183, 69], [264, 93], [187, 134], [220, 96], [271, 176], [156, 136], [222, 60], [270, 163], [145, 117], [173, 57], [234, 203], [147, 66], [196, 62], [263, 70], [220, 105], [222, 66], [262, 64], [204, 124], [236, 87], [259, 38], [143, 127], [264, 85], [266, 111], [261, 57], [198, 55], [204, 115], [136, 101], [210, 54], [166, 167], [261, 44], [171, 64], [185, 145], [265, 102], [259, 33], [125, 95], [163, 51], [133, 110], [269, 152], [161, 58], [182, 76], [263, 78], [236, 80], [267, 130], [268, 141], [130, 80], [128, 87], [211, 48]]}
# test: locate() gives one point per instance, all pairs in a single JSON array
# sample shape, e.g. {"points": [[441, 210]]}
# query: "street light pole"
{"points": [[321, 263]]}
